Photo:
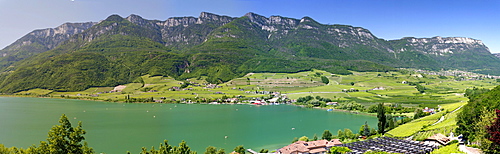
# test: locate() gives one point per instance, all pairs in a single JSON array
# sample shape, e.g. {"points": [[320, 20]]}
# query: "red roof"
{"points": [[309, 147]]}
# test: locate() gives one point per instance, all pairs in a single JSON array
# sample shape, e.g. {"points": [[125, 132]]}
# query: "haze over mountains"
{"points": [[117, 50]]}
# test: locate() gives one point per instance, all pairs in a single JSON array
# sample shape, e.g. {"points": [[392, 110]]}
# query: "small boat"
{"points": [[329, 110]]}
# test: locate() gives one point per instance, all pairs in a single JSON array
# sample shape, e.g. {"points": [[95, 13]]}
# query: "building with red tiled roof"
{"points": [[311, 147]]}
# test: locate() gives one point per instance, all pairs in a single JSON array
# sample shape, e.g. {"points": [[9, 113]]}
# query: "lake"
{"points": [[120, 127]]}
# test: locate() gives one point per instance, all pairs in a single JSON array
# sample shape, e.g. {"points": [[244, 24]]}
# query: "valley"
{"points": [[392, 88], [421, 86], [371, 88]]}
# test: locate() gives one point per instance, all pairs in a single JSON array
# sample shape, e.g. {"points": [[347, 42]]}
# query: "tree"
{"points": [[339, 150], [64, 138], [263, 151], [326, 135], [479, 101], [481, 127], [349, 134], [221, 151], [211, 150], [341, 134], [373, 131], [420, 88], [494, 133], [325, 80], [295, 139], [381, 118], [366, 131], [390, 120], [418, 113], [315, 138], [362, 130], [165, 148], [240, 149], [183, 148], [372, 109], [304, 138]]}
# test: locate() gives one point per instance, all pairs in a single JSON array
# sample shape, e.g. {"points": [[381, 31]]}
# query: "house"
{"points": [[257, 102], [378, 88], [332, 103], [437, 139], [232, 100], [273, 100], [311, 147], [175, 88], [429, 110]]}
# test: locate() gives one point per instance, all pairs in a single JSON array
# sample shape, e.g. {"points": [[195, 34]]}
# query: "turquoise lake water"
{"points": [[119, 127]]}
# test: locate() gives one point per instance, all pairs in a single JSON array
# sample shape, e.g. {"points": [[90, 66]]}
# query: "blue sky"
{"points": [[386, 19]]}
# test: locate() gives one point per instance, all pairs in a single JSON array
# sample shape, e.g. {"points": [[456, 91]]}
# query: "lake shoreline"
{"points": [[100, 100]]}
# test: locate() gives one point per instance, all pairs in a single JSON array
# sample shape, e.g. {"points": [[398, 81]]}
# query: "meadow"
{"points": [[371, 88]]}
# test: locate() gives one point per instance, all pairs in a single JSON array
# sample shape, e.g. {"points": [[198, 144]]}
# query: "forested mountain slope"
{"points": [[118, 50]]}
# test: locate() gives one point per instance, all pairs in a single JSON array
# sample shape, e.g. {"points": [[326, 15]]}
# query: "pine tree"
{"points": [[381, 118], [326, 135], [366, 131], [64, 139], [183, 148]]}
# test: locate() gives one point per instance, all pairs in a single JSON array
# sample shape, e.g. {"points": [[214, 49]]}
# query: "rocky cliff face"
{"points": [[284, 37], [47, 38], [40, 41], [440, 46], [182, 32], [342, 35]]}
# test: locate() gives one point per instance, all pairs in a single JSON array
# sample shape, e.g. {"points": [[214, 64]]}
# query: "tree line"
{"points": [[479, 121]]}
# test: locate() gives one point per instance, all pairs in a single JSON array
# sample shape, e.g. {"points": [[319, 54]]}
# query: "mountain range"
{"points": [[117, 50]]}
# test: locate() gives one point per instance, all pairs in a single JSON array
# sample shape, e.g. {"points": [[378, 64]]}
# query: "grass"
{"points": [[424, 124], [35, 92], [301, 84], [452, 148], [409, 129]]}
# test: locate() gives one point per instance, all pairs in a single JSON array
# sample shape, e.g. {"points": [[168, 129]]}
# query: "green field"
{"points": [[423, 128], [452, 148], [392, 87]]}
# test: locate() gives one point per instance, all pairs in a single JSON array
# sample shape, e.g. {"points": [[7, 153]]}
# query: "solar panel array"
{"points": [[390, 145]]}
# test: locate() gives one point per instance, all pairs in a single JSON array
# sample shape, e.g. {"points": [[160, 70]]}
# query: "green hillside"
{"points": [[219, 48]]}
